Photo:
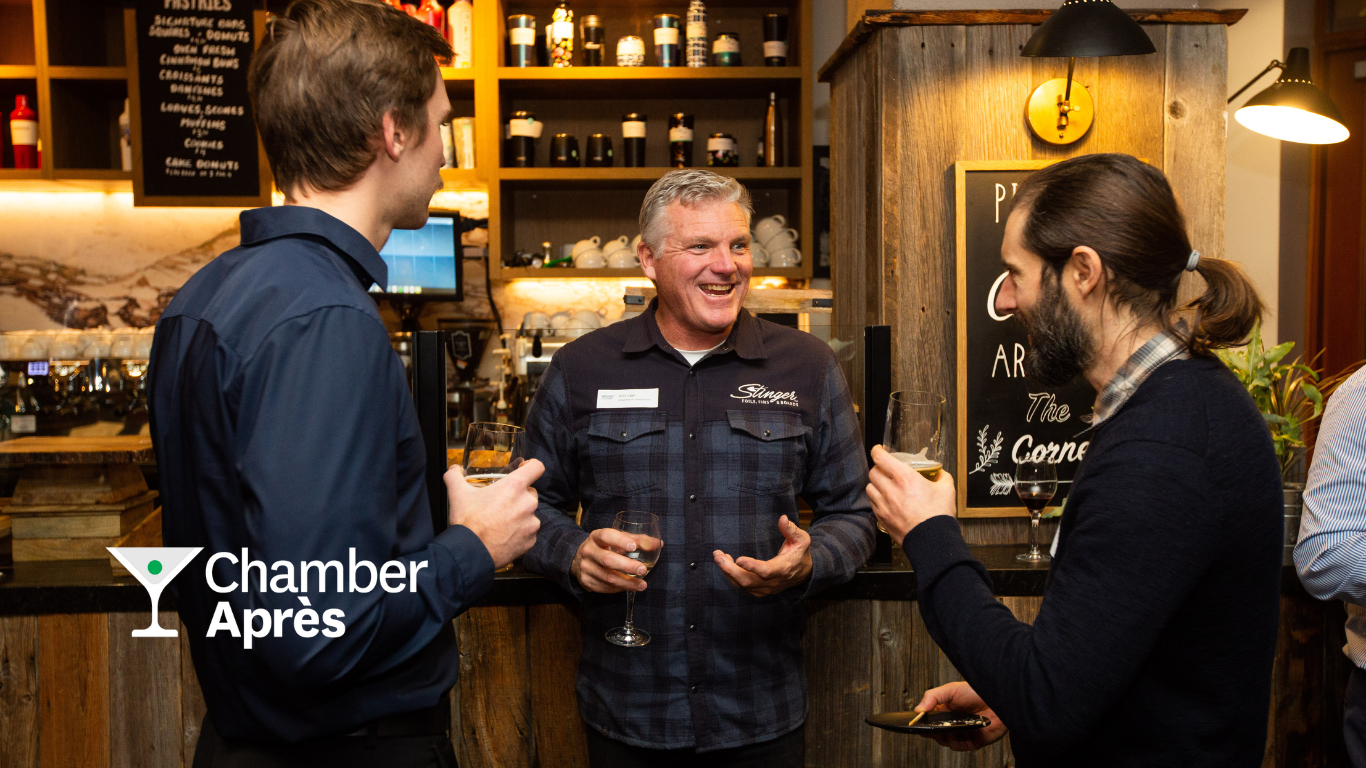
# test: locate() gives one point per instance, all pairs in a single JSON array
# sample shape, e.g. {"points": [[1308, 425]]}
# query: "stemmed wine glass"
{"points": [[1036, 482], [644, 528], [492, 451]]}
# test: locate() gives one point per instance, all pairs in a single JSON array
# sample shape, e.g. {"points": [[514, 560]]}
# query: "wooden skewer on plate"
{"points": [[915, 719]]}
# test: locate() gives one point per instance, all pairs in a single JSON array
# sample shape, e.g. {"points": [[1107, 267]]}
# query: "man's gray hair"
{"points": [[689, 187]]}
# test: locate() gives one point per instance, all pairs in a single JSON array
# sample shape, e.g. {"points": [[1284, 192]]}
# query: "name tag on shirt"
{"points": [[628, 398]]}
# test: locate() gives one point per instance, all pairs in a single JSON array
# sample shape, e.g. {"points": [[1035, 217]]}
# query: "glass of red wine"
{"points": [[1037, 483]]}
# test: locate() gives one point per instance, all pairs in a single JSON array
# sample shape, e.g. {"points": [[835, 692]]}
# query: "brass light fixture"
{"points": [[1079, 28], [1292, 109]]}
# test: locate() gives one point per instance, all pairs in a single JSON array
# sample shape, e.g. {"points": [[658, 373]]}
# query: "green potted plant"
{"points": [[1290, 397]]}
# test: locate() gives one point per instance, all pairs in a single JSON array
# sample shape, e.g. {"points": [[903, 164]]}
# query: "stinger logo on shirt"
{"points": [[758, 394]]}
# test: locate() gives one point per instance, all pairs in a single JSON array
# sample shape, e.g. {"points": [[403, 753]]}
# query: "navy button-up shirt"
{"points": [[283, 424], [719, 451]]}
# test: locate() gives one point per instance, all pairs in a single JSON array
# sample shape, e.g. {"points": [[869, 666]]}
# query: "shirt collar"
{"points": [[262, 224], [1164, 347], [746, 337]]}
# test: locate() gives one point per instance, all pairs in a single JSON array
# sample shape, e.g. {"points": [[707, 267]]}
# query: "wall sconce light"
{"points": [[1078, 28], [1292, 109]]}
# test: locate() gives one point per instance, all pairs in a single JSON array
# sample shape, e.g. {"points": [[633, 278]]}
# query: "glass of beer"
{"points": [[644, 528], [492, 451], [1036, 482], [915, 426]]}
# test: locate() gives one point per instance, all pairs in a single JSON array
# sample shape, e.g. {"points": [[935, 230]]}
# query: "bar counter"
{"points": [[89, 586]]}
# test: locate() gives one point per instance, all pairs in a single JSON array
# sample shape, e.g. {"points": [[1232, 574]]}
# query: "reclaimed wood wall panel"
{"points": [[838, 649], [495, 714], [192, 706], [1129, 92], [144, 694], [73, 690], [997, 81], [554, 645], [18, 692], [891, 675], [1195, 128]]}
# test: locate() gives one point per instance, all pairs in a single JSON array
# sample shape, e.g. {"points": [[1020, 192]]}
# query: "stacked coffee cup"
{"points": [[775, 244]]}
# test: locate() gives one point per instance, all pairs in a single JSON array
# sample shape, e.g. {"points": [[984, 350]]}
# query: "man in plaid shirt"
{"points": [[716, 422]]}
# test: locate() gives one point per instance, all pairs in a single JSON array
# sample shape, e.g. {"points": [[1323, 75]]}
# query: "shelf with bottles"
{"points": [[84, 33], [741, 118], [631, 178], [564, 216], [622, 18], [86, 128]]}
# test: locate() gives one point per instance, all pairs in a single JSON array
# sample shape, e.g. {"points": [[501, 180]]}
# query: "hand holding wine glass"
{"points": [[643, 529]]}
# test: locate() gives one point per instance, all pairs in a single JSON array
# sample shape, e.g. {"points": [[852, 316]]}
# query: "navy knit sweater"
{"points": [[1154, 643]]}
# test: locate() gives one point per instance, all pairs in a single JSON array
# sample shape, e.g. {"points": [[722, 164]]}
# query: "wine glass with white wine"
{"points": [[492, 451], [1036, 482], [643, 527], [915, 422]]}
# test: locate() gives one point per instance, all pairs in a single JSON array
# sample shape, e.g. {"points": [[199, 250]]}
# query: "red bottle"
{"points": [[23, 126], [430, 12]]}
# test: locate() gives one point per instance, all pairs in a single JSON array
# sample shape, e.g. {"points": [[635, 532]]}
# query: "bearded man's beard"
{"points": [[1059, 346]]}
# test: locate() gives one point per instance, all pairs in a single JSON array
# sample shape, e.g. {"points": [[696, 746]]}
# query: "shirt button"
{"points": [[693, 689], [692, 373], [690, 436], [692, 627], [623, 434], [692, 497], [692, 566], [766, 433]]}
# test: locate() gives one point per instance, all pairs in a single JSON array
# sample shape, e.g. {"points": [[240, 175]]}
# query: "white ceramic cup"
{"points": [[591, 258], [787, 257], [612, 246], [623, 258], [586, 318], [783, 238], [759, 254], [584, 245], [536, 321], [769, 227], [559, 321]]}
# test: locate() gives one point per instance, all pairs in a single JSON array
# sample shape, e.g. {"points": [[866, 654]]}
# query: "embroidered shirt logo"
{"points": [[758, 394]]}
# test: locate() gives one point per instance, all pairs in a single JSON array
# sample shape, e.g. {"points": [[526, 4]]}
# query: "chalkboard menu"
{"points": [[198, 141], [1002, 415]]}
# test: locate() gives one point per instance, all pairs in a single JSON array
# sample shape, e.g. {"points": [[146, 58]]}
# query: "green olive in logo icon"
{"points": [[154, 567]]}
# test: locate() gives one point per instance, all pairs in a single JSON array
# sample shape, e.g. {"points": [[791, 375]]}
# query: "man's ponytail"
{"points": [[1228, 309]]}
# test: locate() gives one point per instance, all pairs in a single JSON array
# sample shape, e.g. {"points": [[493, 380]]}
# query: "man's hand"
{"points": [[903, 499], [959, 697], [502, 515], [599, 566], [787, 569]]}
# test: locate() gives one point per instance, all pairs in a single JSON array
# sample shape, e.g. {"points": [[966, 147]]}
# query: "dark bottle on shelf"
{"points": [[564, 151], [633, 140], [521, 40], [773, 134], [598, 153], [521, 134], [560, 36], [668, 46], [722, 151], [725, 50], [775, 40], [592, 41], [680, 140]]}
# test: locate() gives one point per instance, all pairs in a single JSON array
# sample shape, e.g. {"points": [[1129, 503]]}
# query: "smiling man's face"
{"points": [[701, 272]]}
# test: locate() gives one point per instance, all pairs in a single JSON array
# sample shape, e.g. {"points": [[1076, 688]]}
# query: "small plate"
{"points": [[932, 722]]}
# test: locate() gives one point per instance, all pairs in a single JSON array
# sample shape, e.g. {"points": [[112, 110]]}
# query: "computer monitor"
{"points": [[424, 264]]}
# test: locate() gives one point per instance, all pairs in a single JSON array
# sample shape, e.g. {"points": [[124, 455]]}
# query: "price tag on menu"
{"points": [[197, 135]]}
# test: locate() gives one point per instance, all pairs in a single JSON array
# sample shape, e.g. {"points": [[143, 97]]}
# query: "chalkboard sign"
{"points": [[1002, 415], [196, 134]]}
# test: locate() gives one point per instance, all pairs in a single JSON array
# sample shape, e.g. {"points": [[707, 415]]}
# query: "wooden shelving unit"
{"points": [[560, 205]]}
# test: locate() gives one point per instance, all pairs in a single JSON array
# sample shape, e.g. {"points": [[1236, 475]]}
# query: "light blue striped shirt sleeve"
{"points": [[1331, 552]]}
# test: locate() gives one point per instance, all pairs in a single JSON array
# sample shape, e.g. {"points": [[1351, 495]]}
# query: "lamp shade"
{"points": [[1293, 108], [1089, 28]]}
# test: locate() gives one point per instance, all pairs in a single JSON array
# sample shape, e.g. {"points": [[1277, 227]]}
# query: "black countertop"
{"points": [[89, 586]]}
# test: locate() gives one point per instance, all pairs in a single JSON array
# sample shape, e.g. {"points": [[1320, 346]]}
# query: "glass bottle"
{"points": [[695, 52], [680, 140], [560, 36], [773, 134]]}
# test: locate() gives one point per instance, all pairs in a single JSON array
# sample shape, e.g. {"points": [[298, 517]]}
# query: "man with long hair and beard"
{"points": [[1155, 638]]}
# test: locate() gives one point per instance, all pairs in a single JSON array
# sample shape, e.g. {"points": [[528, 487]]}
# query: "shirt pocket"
{"points": [[768, 450], [628, 451]]}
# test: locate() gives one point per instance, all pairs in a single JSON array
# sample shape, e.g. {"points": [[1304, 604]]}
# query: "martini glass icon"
{"points": [[154, 567]]}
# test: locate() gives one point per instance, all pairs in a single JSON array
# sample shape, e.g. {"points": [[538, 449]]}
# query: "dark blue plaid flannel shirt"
{"points": [[733, 442]]}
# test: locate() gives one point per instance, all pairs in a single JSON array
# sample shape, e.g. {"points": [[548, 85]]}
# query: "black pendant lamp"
{"points": [[1089, 28], [1078, 28], [1293, 108]]}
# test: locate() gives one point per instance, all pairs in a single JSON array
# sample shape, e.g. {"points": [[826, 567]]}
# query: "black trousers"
{"points": [[434, 751], [787, 751]]}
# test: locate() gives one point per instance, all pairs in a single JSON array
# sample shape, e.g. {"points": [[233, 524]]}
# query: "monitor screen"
{"points": [[425, 261]]}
